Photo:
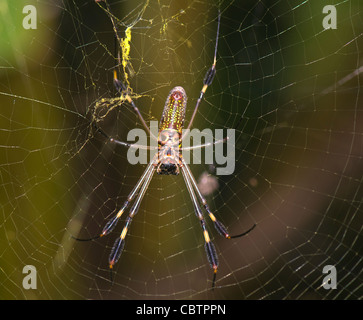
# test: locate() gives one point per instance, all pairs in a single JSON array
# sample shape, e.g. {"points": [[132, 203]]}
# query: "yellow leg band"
{"points": [[123, 234], [206, 236], [119, 214], [212, 217]]}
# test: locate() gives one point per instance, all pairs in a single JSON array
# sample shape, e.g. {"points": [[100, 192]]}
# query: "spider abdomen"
{"points": [[174, 110]]}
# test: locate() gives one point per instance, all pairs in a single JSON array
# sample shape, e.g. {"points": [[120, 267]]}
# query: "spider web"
{"points": [[289, 88]]}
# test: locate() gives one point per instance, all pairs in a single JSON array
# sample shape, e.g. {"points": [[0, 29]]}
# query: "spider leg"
{"points": [[111, 224], [208, 78], [208, 245], [204, 145], [119, 85], [122, 143], [119, 244], [222, 230], [122, 89]]}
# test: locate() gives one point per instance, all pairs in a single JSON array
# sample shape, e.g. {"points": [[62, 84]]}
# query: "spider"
{"points": [[168, 160]]}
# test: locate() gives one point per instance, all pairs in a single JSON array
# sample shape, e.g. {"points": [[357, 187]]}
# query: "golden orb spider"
{"points": [[168, 160]]}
